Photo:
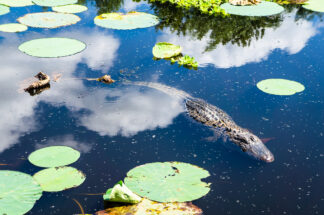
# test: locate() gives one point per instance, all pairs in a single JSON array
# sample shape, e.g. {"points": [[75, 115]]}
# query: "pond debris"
{"points": [[80, 206], [57, 77], [244, 2], [106, 79], [43, 83]]}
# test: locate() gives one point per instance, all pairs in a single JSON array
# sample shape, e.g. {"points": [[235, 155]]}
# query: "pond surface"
{"points": [[117, 127]]}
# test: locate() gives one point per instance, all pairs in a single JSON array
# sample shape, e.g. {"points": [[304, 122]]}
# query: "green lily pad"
{"points": [[168, 181], [13, 27], [131, 20], [48, 19], [16, 3], [18, 192], [280, 87], [264, 8], [54, 156], [59, 178], [149, 207], [54, 3], [314, 5], [120, 193], [52, 47], [166, 50], [4, 10], [72, 8]]}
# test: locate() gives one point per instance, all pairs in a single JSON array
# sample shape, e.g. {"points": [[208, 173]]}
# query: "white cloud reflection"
{"points": [[290, 36]]}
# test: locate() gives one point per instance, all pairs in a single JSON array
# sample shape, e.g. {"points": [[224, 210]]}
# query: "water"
{"points": [[117, 127]]}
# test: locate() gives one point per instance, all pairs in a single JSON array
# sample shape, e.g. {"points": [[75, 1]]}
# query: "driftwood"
{"points": [[43, 83]]}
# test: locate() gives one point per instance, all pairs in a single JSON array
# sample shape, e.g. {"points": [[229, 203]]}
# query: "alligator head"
{"points": [[251, 144]]}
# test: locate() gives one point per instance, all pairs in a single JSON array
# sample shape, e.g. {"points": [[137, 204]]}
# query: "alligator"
{"points": [[216, 118]]}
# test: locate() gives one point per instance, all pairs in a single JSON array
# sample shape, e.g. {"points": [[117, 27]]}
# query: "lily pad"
{"points": [[18, 192], [166, 50], [281, 87], [120, 193], [52, 47], [72, 8], [54, 156], [149, 207], [13, 27], [16, 3], [4, 10], [59, 178], [264, 8], [54, 3], [168, 181], [131, 20], [48, 19], [314, 5]]}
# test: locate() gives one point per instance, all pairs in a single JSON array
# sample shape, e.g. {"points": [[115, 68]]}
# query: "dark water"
{"points": [[117, 127]]}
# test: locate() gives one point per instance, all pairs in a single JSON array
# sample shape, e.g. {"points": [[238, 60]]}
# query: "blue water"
{"points": [[117, 127]]}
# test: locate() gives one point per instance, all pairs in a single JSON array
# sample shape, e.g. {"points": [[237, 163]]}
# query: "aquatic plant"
{"points": [[121, 193], [280, 87], [265, 8], [71, 8], [13, 27], [186, 61]]}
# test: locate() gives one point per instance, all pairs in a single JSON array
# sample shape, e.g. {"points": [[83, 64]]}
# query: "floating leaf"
{"points": [[72, 8], [52, 47], [59, 178], [18, 192], [168, 182], [13, 27], [281, 87], [131, 20], [166, 50], [314, 5], [16, 3], [152, 208], [263, 9], [48, 19], [4, 10], [54, 156], [54, 3], [120, 193]]}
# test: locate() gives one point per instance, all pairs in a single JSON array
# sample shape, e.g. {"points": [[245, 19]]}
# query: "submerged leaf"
{"points": [[153, 208], [54, 156], [314, 5], [166, 50], [53, 3], [263, 9], [18, 192], [120, 193], [13, 27], [168, 181], [17, 3], [48, 19], [59, 178], [4, 10], [72, 8], [131, 20], [52, 47], [281, 87]]}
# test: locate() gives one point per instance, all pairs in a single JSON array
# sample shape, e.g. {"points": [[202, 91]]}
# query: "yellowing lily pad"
{"points": [[153, 208], [13, 27], [59, 178], [18, 192], [120, 193], [4, 10], [166, 50], [54, 156], [16, 3], [48, 19], [131, 20], [314, 5], [52, 47], [72, 8], [54, 3], [168, 181], [264, 8], [281, 87]]}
